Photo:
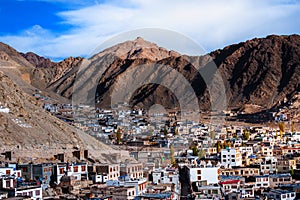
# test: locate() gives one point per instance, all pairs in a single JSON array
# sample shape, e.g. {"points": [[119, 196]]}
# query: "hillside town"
{"points": [[171, 159]]}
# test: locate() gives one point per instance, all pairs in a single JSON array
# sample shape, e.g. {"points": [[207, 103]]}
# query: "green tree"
{"points": [[201, 153], [118, 136], [212, 134], [293, 127], [246, 134], [281, 128], [173, 161], [176, 132], [218, 145], [194, 149]]}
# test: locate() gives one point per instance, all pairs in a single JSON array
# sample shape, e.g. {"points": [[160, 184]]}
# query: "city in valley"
{"points": [[146, 100], [166, 158]]}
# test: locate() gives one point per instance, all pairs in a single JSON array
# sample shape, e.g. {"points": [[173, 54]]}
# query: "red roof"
{"points": [[229, 182]]}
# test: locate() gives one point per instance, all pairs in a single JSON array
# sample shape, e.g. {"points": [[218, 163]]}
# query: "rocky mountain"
{"points": [[261, 72], [25, 126], [26, 129], [257, 74]]}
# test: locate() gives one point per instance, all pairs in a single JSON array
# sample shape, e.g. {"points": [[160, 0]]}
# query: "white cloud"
{"points": [[213, 24]]}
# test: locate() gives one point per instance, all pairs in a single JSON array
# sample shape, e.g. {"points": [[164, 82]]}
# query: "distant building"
{"points": [[231, 157], [279, 194]]}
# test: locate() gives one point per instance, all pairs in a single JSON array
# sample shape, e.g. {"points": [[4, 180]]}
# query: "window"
{"points": [[8, 184], [61, 170], [7, 172], [83, 168], [45, 170], [30, 194], [37, 192], [292, 195], [75, 168], [199, 178], [198, 171]]}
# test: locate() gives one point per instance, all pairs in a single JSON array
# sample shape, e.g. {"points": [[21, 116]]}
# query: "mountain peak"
{"points": [[138, 48]]}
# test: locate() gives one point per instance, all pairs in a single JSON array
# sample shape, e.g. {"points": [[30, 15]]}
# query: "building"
{"points": [[41, 172], [231, 157], [34, 192], [229, 186], [78, 170], [131, 170], [10, 171], [114, 193], [203, 175], [262, 181], [241, 171], [104, 172], [168, 175], [279, 194], [268, 165], [285, 165], [278, 179]]}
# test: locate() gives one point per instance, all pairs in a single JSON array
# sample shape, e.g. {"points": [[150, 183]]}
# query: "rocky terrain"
{"points": [[258, 74], [26, 128]]}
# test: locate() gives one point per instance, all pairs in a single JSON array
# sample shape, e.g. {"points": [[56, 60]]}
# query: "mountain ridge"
{"points": [[258, 73]]}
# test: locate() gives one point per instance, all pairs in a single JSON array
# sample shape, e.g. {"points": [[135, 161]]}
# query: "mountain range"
{"points": [[258, 75]]}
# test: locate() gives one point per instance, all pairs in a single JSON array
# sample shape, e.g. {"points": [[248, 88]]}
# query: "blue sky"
{"points": [[62, 28]]}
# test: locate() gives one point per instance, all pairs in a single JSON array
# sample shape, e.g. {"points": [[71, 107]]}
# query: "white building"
{"points": [[34, 192], [231, 157], [166, 176], [79, 171], [10, 171], [281, 195], [201, 174], [247, 150], [262, 181]]}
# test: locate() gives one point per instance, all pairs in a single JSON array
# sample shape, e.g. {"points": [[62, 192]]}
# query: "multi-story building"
{"points": [[106, 171], [10, 171], [78, 170], [166, 176], [279, 194], [231, 157], [40, 172], [131, 170], [268, 165], [285, 165], [241, 171], [229, 186], [266, 151], [277, 179], [203, 175], [34, 192], [262, 181]]}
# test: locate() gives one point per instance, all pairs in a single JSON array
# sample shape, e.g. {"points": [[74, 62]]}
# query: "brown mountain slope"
{"points": [[31, 132], [261, 72], [258, 74]]}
